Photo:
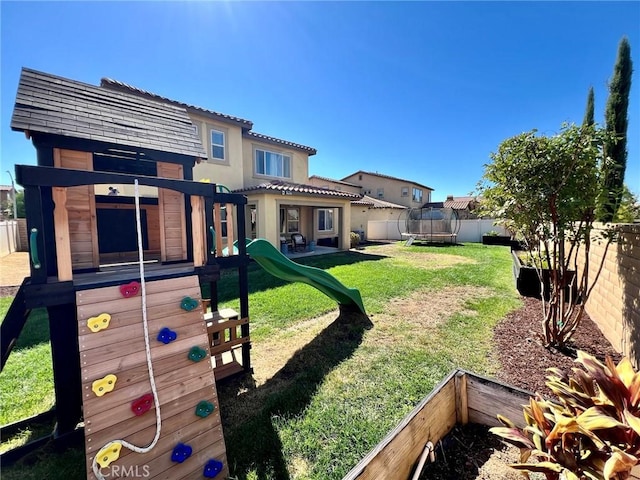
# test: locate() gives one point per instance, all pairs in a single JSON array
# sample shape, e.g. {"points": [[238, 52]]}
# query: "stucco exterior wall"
{"points": [[299, 163], [614, 304], [228, 172], [361, 215]]}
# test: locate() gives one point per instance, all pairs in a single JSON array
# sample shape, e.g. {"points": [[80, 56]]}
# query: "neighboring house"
{"points": [[464, 206], [391, 189], [272, 173], [324, 182]]}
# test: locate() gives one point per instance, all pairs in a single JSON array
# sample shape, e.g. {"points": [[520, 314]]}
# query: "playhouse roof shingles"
{"points": [[246, 125], [297, 188], [59, 106], [125, 87]]}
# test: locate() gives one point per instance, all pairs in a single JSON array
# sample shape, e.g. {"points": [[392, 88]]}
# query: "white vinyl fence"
{"points": [[470, 230], [8, 237]]}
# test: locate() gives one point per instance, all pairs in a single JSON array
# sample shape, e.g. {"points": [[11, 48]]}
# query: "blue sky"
{"points": [[418, 90]]}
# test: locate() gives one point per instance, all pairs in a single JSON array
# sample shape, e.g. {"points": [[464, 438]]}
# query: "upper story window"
{"points": [[405, 191], [381, 193], [325, 220], [195, 129], [217, 144], [417, 195], [273, 164]]}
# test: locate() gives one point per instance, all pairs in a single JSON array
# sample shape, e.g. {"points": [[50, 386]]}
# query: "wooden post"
{"points": [[230, 228], [63, 329], [217, 226], [462, 404], [198, 232], [61, 228], [37, 239]]}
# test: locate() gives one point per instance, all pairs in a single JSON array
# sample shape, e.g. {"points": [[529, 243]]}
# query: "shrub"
{"points": [[355, 239], [593, 432]]}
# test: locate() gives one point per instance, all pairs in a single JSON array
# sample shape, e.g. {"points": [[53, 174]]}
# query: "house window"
{"points": [[381, 193], [289, 220], [405, 191], [273, 164], [217, 144], [196, 130], [417, 195], [325, 220]]}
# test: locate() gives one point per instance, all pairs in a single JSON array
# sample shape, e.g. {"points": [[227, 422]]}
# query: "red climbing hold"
{"points": [[130, 289], [142, 404]]}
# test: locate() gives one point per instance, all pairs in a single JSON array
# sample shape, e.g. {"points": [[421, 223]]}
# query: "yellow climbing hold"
{"points": [[205, 180], [104, 385], [98, 323], [108, 454]]}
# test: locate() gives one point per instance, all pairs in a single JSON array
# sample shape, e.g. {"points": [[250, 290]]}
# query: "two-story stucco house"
{"points": [[390, 189], [272, 173]]}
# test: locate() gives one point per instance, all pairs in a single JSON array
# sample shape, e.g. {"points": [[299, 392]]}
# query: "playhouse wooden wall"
{"points": [[76, 221]]}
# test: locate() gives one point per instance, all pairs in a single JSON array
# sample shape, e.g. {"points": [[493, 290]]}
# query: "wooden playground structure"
{"points": [[86, 270]]}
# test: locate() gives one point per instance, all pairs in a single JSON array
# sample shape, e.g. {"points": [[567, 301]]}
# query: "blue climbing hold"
{"points": [[204, 409], [181, 452], [188, 303], [196, 354], [167, 335], [212, 468]]}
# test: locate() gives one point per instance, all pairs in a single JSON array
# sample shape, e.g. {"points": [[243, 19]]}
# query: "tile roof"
{"points": [[55, 105], [456, 203], [296, 188], [377, 203], [277, 141], [327, 179], [376, 174], [125, 87]]}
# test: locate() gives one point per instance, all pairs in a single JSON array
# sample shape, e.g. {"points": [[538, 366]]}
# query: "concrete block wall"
{"points": [[614, 304]]}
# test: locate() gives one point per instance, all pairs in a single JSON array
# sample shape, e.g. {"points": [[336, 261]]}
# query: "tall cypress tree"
{"points": [[616, 124], [588, 113]]}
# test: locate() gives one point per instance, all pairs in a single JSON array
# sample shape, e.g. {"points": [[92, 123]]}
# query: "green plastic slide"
{"points": [[278, 265]]}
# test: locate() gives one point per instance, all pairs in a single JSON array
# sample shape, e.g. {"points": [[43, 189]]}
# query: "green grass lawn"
{"points": [[327, 388]]}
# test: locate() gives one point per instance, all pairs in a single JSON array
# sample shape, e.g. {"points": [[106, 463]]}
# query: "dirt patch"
{"points": [[426, 260], [13, 268], [421, 311]]}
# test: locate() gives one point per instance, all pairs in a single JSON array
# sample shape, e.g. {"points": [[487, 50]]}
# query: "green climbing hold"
{"points": [[196, 354], [204, 409], [188, 304]]}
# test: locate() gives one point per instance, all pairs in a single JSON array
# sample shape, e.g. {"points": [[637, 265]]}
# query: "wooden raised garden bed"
{"points": [[461, 398]]}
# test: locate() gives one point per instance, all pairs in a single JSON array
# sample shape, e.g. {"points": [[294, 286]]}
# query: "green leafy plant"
{"points": [[545, 189], [492, 233], [355, 239], [592, 432]]}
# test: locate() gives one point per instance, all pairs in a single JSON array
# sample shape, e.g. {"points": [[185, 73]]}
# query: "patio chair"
{"points": [[299, 242]]}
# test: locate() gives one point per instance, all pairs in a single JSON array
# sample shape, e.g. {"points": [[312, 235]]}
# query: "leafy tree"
{"points": [[545, 189], [588, 113], [22, 213], [629, 209], [616, 124]]}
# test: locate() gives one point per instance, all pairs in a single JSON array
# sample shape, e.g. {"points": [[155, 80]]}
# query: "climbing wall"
{"points": [[116, 384]]}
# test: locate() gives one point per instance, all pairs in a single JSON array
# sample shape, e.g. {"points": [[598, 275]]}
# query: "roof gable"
{"points": [[55, 105], [388, 177]]}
